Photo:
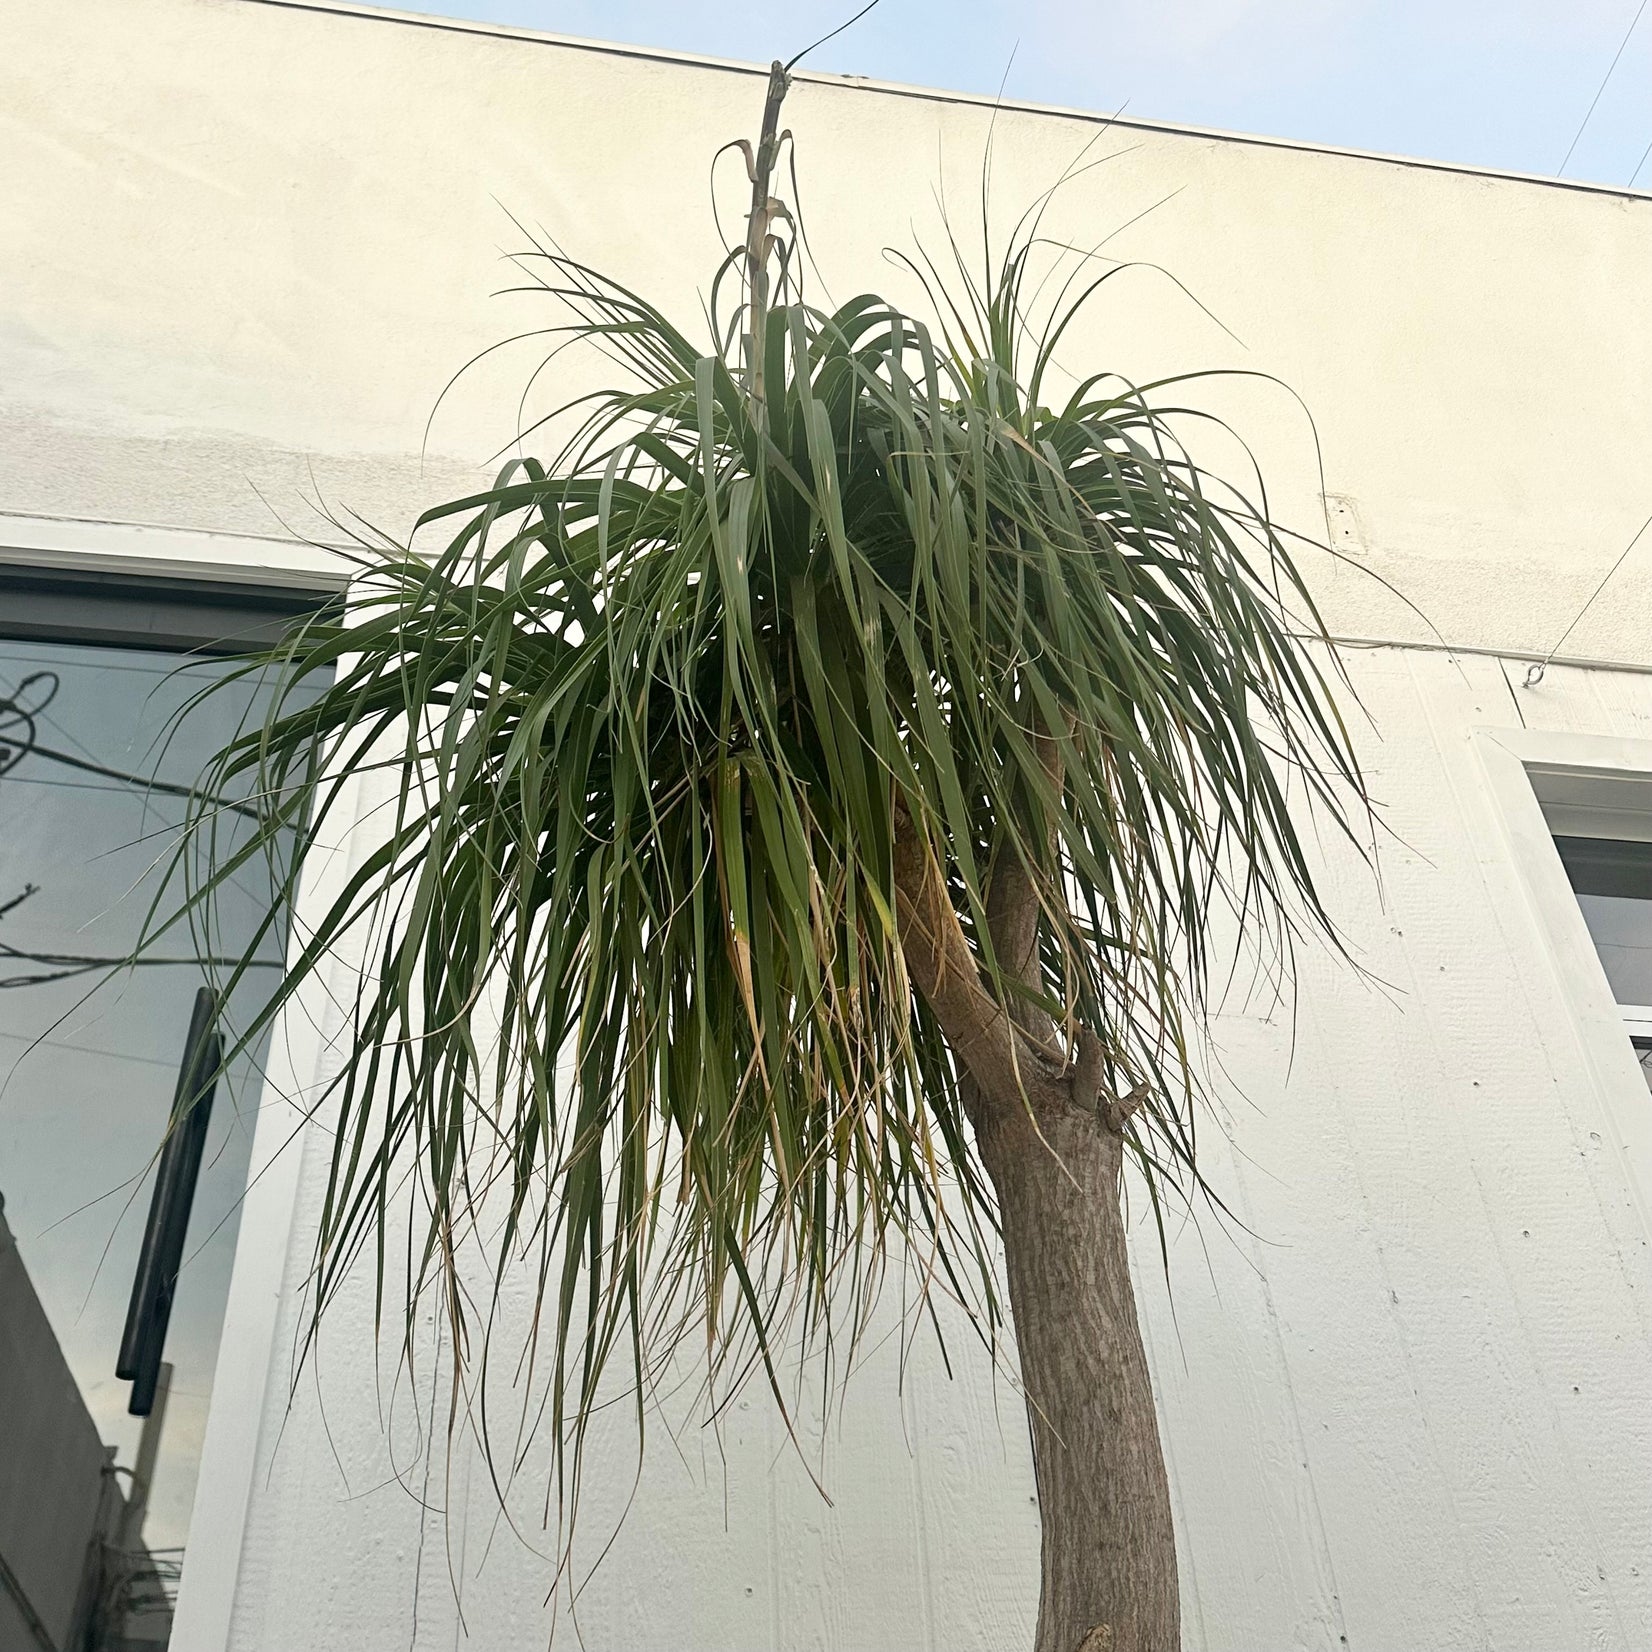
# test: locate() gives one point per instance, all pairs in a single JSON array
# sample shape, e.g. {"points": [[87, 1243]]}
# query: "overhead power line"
{"points": [[1645, 154], [1534, 672], [1599, 90]]}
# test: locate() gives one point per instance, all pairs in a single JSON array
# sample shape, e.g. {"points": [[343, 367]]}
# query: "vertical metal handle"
{"points": [[156, 1279]]}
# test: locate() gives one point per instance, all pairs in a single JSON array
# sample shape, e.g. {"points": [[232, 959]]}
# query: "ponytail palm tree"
{"points": [[809, 794]]}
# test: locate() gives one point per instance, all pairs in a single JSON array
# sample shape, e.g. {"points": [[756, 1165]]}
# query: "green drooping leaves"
{"points": [[636, 1016]]}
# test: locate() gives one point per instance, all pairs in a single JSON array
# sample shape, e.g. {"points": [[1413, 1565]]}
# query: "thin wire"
{"points": [[90, 1049], [73, 786], [1534, 673], [1622, 47], [1647, 151]]}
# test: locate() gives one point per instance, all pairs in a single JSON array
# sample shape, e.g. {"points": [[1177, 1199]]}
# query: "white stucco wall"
{"points": [[1410, 1407], [245, 245], [242, 248]]}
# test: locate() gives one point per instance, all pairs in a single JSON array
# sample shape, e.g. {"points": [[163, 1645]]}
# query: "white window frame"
{"points": [[1510, 758], [297, 1062]]}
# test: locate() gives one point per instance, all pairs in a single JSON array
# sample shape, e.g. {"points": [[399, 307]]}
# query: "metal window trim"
{"points": [[1516, 765], [115, 585]]}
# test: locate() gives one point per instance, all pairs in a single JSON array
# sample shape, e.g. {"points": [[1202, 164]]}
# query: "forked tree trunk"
{"points": [[1109, 1548]]}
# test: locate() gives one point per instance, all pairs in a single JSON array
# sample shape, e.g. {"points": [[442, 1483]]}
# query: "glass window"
{"points": [[1612, 879], [90, 740], [1613, 884]]}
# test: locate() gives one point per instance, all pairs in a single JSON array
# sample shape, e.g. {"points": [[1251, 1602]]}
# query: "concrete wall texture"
{"points": [[1407, 1392]]}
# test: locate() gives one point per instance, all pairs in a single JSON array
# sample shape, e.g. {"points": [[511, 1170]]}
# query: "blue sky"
{"points": [[1501, 83]]}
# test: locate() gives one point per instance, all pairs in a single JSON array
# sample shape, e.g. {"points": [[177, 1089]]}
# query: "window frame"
{"points": [[127, 575], [1628, 824], [1513, 762]]}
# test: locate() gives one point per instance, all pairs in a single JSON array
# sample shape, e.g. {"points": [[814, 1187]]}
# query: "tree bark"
{"points": [[1109, 1548], [1108, 1543]]}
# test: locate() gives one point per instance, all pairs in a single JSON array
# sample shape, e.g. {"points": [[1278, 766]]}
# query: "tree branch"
{"points": [[1012, 915], [1014, 1055], [1012, 906], [759, 243], [1006, 1063]]}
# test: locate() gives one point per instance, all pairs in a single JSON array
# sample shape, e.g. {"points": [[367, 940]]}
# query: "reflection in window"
{"points": [[89, 1059], [1612, 879]]}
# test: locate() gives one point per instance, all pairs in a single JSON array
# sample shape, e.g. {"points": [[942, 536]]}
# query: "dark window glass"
{"points": [[1613, 883]]}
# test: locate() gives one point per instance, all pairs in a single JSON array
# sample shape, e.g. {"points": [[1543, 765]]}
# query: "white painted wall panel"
{"points": [[244, 245], [1407, 1393]]}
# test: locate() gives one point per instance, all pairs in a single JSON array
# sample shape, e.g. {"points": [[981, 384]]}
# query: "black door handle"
{"points": [[156, 1280]]}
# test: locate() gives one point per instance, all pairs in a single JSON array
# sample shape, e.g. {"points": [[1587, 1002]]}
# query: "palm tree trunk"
{"points": [[1109, 1548]]}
